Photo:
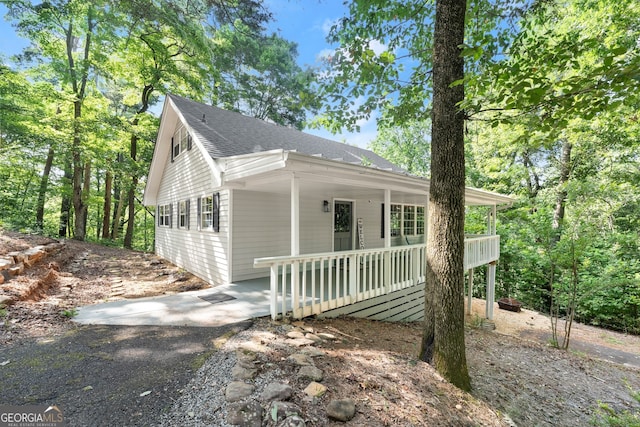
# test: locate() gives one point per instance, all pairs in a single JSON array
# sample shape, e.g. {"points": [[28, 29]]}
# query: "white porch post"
{"points": [[470, 296], [491, 289], [295, 215], [387, 240], [295, 243]]}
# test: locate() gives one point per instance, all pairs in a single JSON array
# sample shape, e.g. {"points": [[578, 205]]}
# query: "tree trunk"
{"points": [[42, 191], [106, 212], [65, 206], [131, 200], [443, 338], [117, 215], [561, 196]]}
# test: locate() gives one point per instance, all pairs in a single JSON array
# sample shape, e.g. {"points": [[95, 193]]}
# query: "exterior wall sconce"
{"points": [[325, 206]]}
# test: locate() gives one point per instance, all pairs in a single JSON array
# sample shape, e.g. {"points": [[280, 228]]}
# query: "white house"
{"points": [[335, 228]]}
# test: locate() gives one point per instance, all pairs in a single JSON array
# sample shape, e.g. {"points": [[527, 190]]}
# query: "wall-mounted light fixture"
{"points": [[325, 206]]}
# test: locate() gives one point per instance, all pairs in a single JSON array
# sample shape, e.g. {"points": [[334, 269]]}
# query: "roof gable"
{"points": [[226, 133]]}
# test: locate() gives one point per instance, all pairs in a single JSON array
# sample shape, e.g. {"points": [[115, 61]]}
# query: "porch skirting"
{"points": [[405, 305]]}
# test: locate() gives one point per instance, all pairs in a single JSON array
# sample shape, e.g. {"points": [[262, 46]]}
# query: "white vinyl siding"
{"points": [[202, 253], [261, 228]]}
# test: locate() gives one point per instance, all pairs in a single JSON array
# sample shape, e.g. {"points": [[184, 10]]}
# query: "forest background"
{"points": [[552, 98]]}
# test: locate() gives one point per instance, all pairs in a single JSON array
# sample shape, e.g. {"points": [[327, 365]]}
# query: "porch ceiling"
{"points": [[337, 180]]}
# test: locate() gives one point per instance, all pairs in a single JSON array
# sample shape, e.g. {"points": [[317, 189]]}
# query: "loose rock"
{"points": [[246, 414], [311, 373], [341, 409], [276, 391], [238, 390], [315, 389]]}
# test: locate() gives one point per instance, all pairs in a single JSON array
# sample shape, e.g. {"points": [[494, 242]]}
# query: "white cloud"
{"points": [[327, 25], [377, 47]]}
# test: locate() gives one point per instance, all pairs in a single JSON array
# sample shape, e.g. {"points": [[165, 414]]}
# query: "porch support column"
{"points": [[470, 296], [295, 215], [295, 244], [387, 218], [387, 240], [491, 289]]}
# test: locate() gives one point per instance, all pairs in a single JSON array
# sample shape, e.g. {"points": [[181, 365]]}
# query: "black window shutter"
{"points": [[158, 214], [198, 216], [382, 227], [187, 213], [189, 141], [171, 149], [170, 215], [216, 212]]}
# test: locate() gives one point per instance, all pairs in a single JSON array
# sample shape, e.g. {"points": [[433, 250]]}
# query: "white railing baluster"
{"points": [[350, 276]]}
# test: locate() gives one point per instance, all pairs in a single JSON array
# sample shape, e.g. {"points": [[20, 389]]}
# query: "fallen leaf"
{"points": [[145, 393], [87, 388]]}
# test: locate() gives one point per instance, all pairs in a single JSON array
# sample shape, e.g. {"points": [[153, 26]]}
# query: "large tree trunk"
{"points": [[443, 339], [131, 199], [65, 206], [106, 213], [42, 191]]}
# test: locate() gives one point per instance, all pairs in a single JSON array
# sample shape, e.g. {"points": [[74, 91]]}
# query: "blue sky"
{"points": [[305, 22]]}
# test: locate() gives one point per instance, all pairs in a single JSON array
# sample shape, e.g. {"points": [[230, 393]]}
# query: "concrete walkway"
{"points": [[239, 301]]}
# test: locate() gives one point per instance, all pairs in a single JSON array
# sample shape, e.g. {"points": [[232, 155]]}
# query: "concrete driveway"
{"points": [[222, 305]]}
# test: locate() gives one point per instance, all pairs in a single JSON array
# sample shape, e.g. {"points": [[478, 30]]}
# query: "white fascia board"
{"points": [[168, 120], [216, 172]]}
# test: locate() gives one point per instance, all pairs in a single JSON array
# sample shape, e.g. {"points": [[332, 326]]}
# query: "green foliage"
{"points": [[609, 417]]}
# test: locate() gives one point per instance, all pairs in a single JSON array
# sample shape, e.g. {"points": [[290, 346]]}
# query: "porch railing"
{"points": [[310, 284]]}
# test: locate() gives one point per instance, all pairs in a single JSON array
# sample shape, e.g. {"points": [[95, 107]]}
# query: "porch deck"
{"points": [[313, 284]]}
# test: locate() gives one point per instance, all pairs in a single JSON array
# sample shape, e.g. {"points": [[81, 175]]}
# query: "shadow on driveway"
{"points": [[100, 375]]}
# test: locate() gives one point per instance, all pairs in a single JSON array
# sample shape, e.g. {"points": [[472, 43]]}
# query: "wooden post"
{"points": [[470, 296], [387, 240], [491, 289]]}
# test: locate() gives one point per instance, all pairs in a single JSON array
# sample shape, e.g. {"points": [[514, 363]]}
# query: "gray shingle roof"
{"points": [[227, 133]]}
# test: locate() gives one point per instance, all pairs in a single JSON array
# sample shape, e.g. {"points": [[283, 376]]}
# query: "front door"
{"points": [[342, 226]]}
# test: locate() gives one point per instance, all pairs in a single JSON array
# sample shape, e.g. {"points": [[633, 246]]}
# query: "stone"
{"points": [[300, 359], [279, 411], [311, 373], [5, 264], [241, 373], [299, 342], [315, 389], [341, 409], [245, 414], [5, 299], [276, 391], [313, 352], [16, 269], [292, 421], [295, 334], [246, 359], [327, 336], [313, 337], [237, 390]]}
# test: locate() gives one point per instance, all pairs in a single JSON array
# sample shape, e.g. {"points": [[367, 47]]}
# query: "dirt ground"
{"points": [[515, 374]]}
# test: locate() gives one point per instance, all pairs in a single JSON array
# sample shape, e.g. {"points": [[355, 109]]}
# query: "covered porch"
{"points": [[337, 238]]}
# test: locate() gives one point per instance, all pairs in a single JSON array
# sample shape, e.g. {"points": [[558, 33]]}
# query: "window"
{"points": [[409, 219], [164, 215], [183, 214], [420, 220], [406, 220], [180, 142], [396, 215], [209, 212]]}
